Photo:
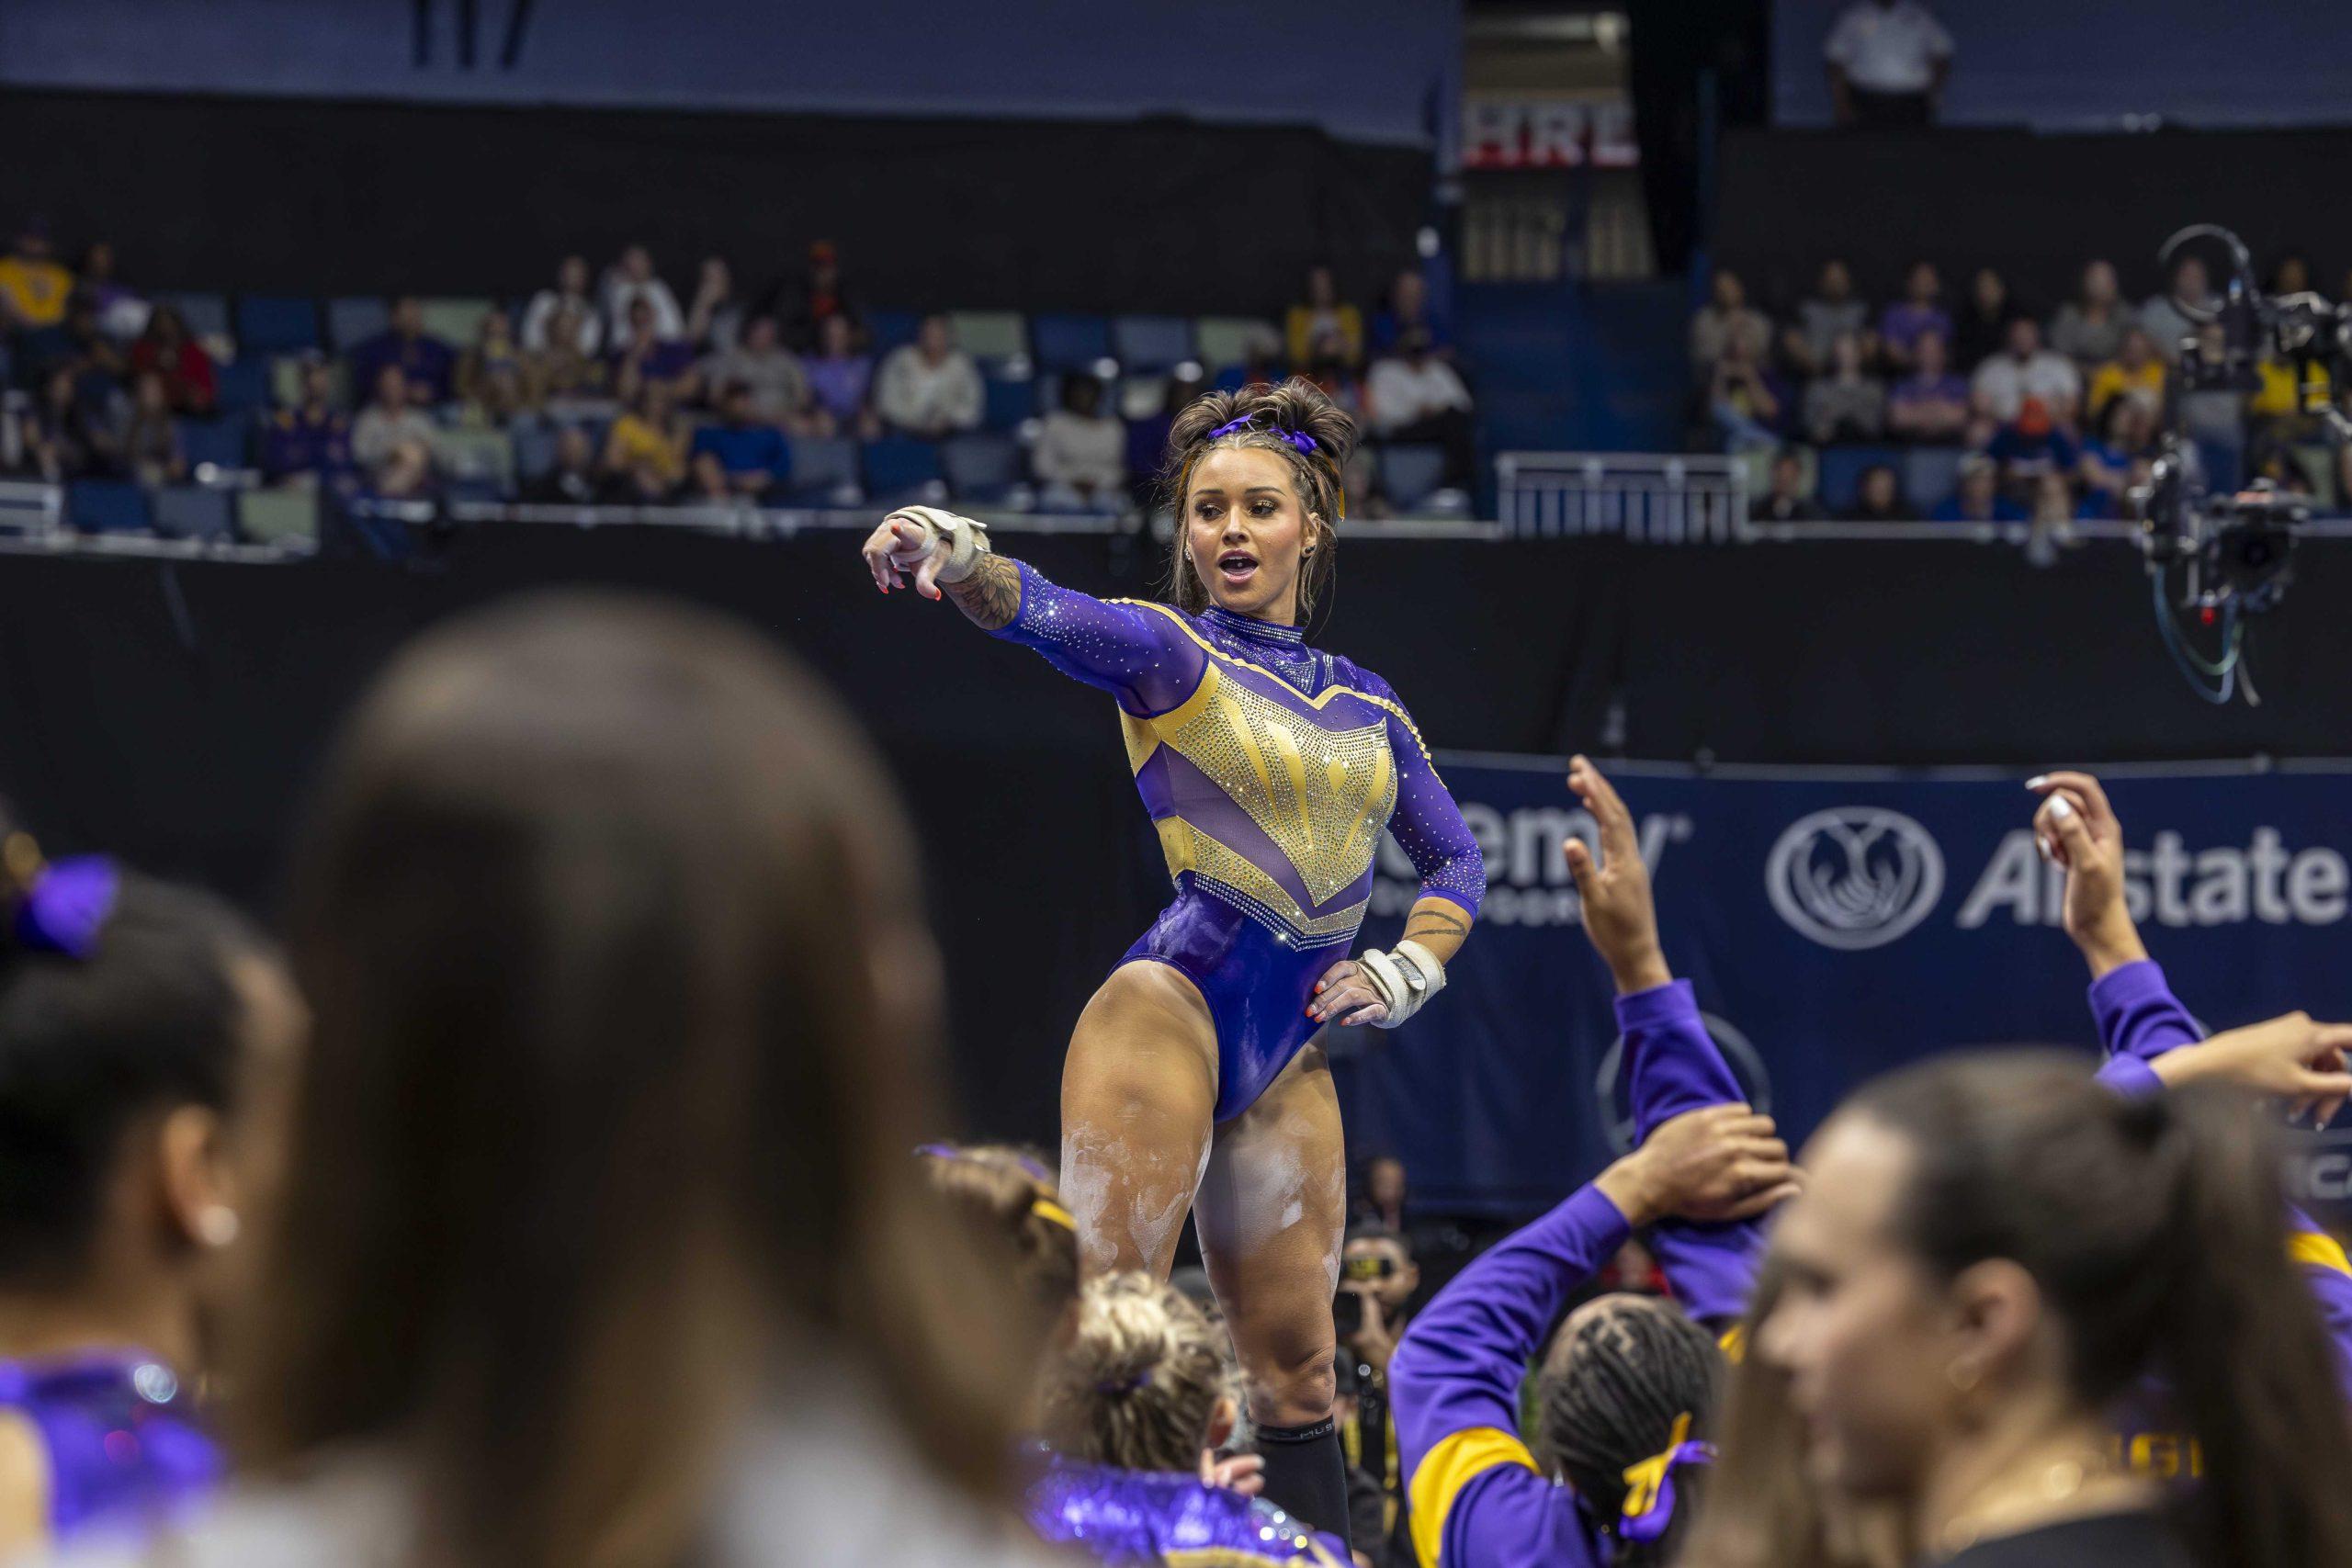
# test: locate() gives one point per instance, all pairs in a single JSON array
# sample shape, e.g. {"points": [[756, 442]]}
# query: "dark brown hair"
{"points": [[622, 1008], [1319, 477], [2151, 1227]]}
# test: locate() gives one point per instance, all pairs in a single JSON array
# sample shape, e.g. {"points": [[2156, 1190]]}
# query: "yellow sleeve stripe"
{"points": [[2320, 1251], [1455, 1462], [1733, 1343]]}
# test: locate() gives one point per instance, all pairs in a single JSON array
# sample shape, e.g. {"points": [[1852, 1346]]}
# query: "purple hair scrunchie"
{"points": [[64, 907], [1247, 421]]}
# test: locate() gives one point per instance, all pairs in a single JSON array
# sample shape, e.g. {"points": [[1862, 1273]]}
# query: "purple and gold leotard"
{"points": [[120, 1444], [1150, 1516], [1269, 770]]}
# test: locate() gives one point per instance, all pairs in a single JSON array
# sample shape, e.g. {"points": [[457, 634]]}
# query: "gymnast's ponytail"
{"points": [[1296, 420], [2155, 1230], [1139, 1379]]}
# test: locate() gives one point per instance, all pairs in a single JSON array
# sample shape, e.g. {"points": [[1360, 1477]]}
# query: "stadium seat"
{"points": [[824, 470], [1408, 473], [207, 315], [276, 324], [1226, 339], [455, 322], [1842, 468], [893, 329], [1138, 396], [991, 335], [1151, 343], [481, 458], [981, 467], [278, 516], [1010, 400], [1929, 474], [534, 442], [1069, 343], [107, 506], [193, 512], [352, 322], [897, 468], [224, 441], [243, 385]]}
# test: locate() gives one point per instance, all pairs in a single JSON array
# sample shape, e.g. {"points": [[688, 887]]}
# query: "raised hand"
{"points": [[1619, 916], [2078, 828], [904, 546], [1717, 1163], [2294, 1057]]}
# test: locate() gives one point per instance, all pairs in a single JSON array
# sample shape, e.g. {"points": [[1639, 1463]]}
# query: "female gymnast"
{"points": [[1269, 768]]}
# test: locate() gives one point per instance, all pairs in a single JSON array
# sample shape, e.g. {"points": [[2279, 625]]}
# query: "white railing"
{"points": [[1672, 499]]}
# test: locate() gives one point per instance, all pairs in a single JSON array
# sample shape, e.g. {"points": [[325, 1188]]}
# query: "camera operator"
{"points": [[1378, 1280]]}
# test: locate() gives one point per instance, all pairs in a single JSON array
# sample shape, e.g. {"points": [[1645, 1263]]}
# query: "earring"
{"points": [[1962, 1376], [217, 1225]]}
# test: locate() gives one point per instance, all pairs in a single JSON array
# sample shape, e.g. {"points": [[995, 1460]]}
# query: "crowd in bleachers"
{"points": [[1987, 407], [211, 415]]}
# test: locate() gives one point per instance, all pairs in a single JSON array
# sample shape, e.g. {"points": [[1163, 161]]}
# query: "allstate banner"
{"points": [[1836, 923]]}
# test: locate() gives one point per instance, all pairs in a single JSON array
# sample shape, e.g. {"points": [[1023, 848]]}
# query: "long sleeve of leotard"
{"points": [[1675, 1066], [1427, 824], [2139, 1021], [1477, 1499], [1137, 652]]}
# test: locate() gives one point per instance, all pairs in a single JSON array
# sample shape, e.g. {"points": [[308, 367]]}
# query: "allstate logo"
{"points": [[1855, 877]]}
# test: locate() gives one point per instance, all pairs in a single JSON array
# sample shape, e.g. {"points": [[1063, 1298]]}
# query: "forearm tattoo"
{"points": [[1430, 922], [991, 597]]}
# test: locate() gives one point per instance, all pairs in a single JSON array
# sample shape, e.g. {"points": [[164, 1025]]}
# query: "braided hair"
{"points": [[1618, 1376]]}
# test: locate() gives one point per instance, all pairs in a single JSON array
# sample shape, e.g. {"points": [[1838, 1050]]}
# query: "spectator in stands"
{"points": [[560, 370], [1887, 62], [1878, 497], [1848, 403], [1979, 497], [631, 281], [1789, 499], [491, 381], [841, 380], [2125, 427], [645, 450], [772, 374], [1329, 369], [1727, 319], [715, 320], [80, 344], [2030, 446], [582, 329], [2277, 407], [1917, 313], [817, 296], [2214, 417], [310, 443], [1323, 311], [34, 285], [122, 314], [167, 349], [930, 388], [2090, 328], [393, 437], [1981, 326], [1408, 306], [2291, 275], [642, 355], [73, 435], [148, 449], [1931, 404], [1745, 400], [743, 456], [1417, 397], [573, 481], [2025, 370], [2052, 519], [2172, 317], [1081, 457], [428, 366], [1831, 309], [2137, 372]]}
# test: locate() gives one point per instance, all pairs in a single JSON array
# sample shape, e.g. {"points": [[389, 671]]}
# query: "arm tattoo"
{"points": [[991, 595], [1430, 923]]}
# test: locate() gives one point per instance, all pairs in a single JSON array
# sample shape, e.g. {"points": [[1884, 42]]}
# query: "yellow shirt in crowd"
{"points": [[35, 291], [2111, 379], [634, 442]]}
